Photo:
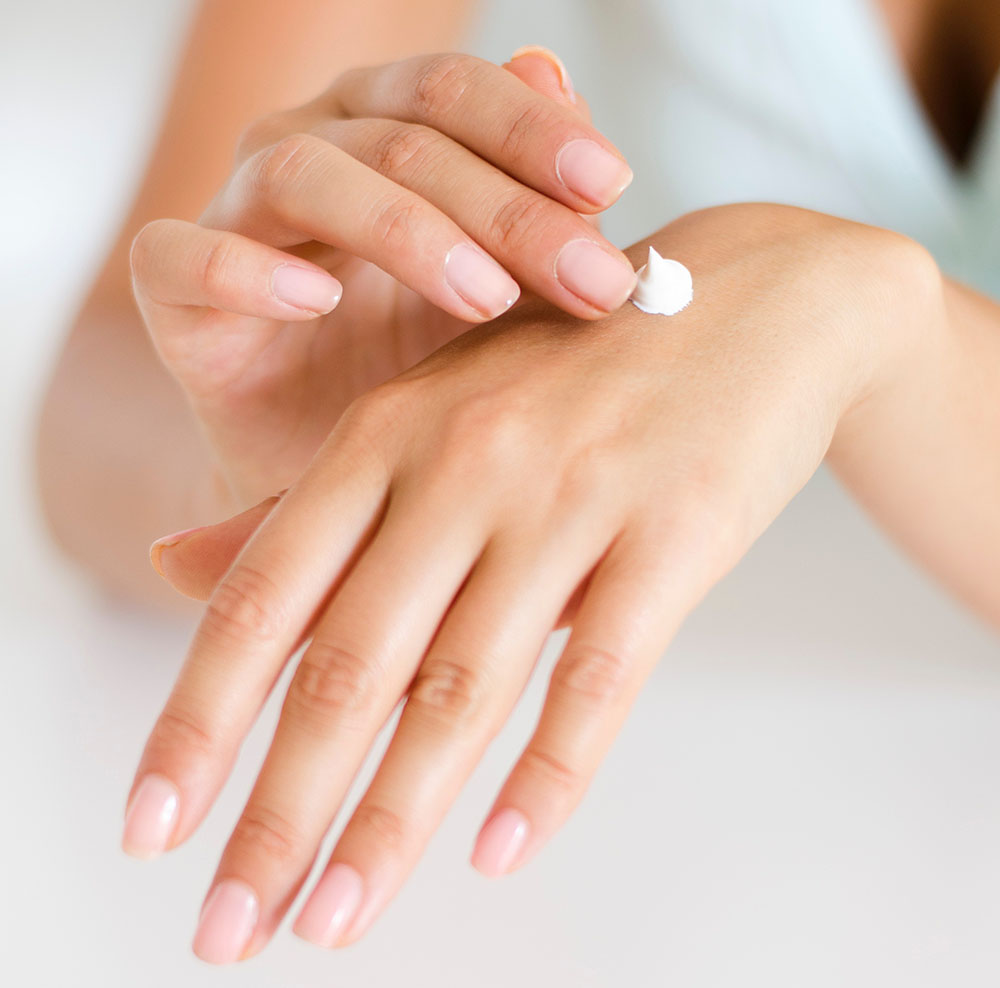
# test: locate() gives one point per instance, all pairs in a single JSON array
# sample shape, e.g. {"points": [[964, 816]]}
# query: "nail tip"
{"points": [[156, 558], [140, 854]]}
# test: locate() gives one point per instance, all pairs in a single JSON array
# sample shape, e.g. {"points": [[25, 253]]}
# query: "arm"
{"points": [[110, 400], [923, 455]]}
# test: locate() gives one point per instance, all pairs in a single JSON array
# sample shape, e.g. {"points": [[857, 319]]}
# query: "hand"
{"points": [[430, 188], [451, 516]]}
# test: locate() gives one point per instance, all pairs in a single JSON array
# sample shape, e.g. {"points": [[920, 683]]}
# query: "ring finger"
{"points": [[474, 672], [364, 651], [550, 249]]}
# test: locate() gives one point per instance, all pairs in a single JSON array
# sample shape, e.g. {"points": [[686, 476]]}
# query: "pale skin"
{"points": [[447, 506]]}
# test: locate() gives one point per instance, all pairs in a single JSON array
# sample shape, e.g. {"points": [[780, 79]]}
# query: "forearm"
{"points": [[923, 455], [120, 458]]}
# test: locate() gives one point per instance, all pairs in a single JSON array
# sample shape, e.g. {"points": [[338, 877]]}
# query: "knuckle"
{"points": [[145, 246], [177, 729], [258, 134], [592, 674], [440, 83], [552, 771], [449, 694], [330, 683], [588, 476], [489, 430], [379, 411], [215, 265], [523, 130], [280, 168], [387, 826], [263, 832], [246, 606], [705, 522], [402, 149], [518, 221], [394, 218]]}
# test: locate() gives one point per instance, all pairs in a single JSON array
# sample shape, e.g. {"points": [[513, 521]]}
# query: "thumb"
{"points": [[193, 562]]}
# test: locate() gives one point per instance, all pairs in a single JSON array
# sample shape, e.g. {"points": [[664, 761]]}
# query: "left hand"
{"points": [[452, 515]]}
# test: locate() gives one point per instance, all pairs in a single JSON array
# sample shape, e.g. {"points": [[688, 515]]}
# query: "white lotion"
{"points": [[664, 287]]}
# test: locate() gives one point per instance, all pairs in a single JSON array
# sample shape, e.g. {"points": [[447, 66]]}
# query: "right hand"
{"points": [[431, 188]]}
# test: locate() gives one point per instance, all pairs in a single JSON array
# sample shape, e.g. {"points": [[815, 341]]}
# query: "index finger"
{"points": [[542, 143]]}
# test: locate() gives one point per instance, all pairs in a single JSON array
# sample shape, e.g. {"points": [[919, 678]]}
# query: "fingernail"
{"points": [[500, 842], [550, 56], [592, 172], [227, 922], [304, 288], [331, 907], [168, 542], [480, 281], [150, 817], [591, 273]]}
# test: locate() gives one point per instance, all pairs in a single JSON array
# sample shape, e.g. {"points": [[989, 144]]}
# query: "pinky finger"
{"points": [[176, 263], [634, 603]]}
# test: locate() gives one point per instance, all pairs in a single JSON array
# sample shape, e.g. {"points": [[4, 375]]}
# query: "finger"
{"points": [[548, 247], [540, 142], [195, 561], [304, 188], [637, 598], [543, 70], [175, 263], [464, 690], [254, 620], [364, 652]]}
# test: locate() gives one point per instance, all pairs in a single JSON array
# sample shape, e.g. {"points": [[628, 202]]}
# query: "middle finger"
{"points": [[547, 247], [364, 651]]}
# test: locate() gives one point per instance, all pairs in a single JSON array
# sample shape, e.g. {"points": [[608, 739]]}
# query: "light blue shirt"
{"points": [[787, 101]]}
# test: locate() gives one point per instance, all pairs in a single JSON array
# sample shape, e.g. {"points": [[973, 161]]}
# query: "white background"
{"points": [[805, 795]]}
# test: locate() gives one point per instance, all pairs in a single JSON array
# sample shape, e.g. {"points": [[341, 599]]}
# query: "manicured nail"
{"points": [[553, 59], [168, 542], [592, 172], [480, 281], [150, 817], [500, 842], [227, 922], [331, 907], [591, 273], [303, 288]]}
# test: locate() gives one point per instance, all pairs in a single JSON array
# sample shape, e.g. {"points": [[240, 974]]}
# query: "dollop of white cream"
{"points": [[664, 288]]}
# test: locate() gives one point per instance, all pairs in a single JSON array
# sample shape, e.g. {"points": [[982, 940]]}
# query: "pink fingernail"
{"points": [[594, 275], [480, 281], [150, 817], [500, 842], [565, 83], [227, 922], [168, 542], [304, 288], [592, 172], [331, 907]]}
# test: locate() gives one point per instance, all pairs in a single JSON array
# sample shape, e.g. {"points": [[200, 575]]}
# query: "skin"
{"points": [[268, 380], [542, 468]]}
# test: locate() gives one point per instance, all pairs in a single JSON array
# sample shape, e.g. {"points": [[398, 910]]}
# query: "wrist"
{"points": [[898, 348]]}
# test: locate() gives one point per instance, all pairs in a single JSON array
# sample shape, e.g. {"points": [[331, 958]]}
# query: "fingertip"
{"points": [[480, 283], [150, 818], [601, 279], [500, 843], [157, 549], [311, 291], [543, 70]]}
